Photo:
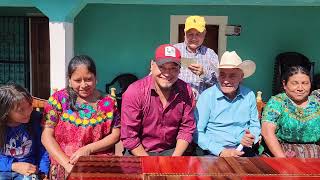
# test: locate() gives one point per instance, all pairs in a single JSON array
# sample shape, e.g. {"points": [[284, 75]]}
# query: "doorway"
{"points": [[40, 57]]}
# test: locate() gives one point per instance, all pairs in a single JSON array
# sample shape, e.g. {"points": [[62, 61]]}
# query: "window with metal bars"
{"points": [[14, 51]]}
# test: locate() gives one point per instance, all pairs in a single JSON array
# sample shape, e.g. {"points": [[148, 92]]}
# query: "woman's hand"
{"points": [[83, 151], [68, 167], [24, 168]]}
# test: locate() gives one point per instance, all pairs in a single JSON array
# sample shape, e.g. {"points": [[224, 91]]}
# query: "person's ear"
{"points": [[241, 76], [151, 64], [283, 84]]}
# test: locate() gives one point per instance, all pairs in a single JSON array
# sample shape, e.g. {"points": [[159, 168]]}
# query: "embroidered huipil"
{"points": [[294, 124], [75, 129]]}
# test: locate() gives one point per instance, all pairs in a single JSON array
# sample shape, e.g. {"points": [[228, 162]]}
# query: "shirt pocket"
{"points": [[242, 114], [174, 115]]}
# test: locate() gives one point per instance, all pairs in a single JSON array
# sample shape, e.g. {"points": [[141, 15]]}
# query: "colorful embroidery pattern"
{"points": [[55, 103], [294, 124], [71, 118], [85, 116], [76, 128], [299, 113]]}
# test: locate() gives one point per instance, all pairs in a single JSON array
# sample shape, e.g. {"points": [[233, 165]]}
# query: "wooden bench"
{"points": [[38, 103]]}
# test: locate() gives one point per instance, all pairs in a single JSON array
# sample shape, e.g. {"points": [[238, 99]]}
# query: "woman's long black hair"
{"points": [[73, 65], [295, 70]]}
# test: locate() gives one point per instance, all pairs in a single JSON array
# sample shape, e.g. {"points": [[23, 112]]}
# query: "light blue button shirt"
{"points": [[221, 122]]}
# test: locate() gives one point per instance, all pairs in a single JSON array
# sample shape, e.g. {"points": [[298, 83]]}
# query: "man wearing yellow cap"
{"points": [[201, 73]]}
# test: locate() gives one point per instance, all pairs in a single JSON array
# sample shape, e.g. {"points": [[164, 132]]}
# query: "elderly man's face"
{"points": [[165, 75], [194, 38], [229, 80]]}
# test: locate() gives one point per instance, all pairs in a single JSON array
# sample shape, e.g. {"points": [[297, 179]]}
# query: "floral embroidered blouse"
{"points": [[294, 124], [75, 129]]}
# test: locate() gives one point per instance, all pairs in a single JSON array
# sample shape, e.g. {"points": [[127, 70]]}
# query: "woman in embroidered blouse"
{"points": [[79, 120], [291, 120]]}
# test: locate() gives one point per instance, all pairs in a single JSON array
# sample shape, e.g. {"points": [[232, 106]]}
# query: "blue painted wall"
{"points": [[122, 38]]}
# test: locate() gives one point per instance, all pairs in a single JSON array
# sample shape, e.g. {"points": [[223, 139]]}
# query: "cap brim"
{"points": [[196, 28], [163, 61]]}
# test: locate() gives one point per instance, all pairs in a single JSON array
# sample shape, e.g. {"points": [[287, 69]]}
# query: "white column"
{"points": [[61, 51]]}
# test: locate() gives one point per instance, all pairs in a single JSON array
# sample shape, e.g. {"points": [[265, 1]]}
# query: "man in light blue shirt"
{"points": [[226, 113]]}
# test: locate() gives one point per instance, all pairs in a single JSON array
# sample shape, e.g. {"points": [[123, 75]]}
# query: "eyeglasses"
{"points": [[170, 70]]}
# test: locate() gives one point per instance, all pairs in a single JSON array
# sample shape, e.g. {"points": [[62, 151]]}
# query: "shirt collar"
{"points": [[174, 88], [221, 95]]}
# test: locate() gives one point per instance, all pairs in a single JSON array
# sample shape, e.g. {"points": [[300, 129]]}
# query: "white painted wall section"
{"points": [[61, 51]]}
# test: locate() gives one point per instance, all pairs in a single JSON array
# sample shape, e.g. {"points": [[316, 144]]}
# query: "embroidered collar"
{"points": [[86, 115]]}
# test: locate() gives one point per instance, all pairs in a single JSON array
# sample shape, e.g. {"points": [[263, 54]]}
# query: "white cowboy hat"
{"points": [[232, 60]]}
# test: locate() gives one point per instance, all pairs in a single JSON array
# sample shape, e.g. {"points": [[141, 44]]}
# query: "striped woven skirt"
{"points": [[301, 150]]}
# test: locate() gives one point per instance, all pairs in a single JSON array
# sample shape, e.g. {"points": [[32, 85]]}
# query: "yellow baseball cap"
{"points": [[195, 22]]}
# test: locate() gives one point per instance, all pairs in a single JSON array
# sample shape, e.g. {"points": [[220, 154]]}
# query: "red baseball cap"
{"points": [[167, 53]]}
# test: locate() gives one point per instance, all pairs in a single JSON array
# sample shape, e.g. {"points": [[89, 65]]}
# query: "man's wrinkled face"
{"points": [[194, 38], [229, 80]]}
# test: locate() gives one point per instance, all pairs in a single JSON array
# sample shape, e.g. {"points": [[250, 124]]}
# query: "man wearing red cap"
{"points": [[157, 111]]}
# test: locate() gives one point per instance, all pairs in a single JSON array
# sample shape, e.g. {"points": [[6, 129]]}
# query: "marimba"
{"points": [[187, 168]]}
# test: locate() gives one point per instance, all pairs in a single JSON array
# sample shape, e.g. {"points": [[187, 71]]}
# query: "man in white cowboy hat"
{"points": [[200, 71], [226, 113]]}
